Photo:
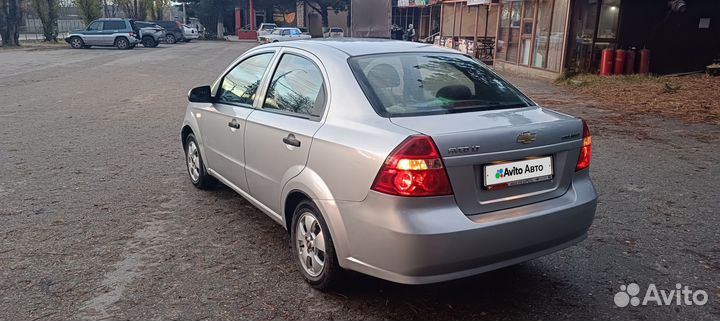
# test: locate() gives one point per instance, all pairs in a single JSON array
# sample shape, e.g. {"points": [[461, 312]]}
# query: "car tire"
{"points": [[275, 41], [196, 166], [149, 42], [122, 43], [319, 267], [170, 39], [77, 43]]}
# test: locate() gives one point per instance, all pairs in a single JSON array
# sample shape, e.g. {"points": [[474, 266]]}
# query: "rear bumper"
{"points": [[427, 240]]}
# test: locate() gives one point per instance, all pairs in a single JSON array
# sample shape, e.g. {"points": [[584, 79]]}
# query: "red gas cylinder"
{"points": [[630, 62], [644, 61], [619, 61], [606, 62]]}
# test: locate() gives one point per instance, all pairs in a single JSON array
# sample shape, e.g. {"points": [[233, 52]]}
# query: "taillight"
{"points": [[414, 168], [586, 151]]}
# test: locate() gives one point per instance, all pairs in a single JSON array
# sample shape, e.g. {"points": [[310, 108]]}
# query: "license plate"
{"points": [[520, 172]]}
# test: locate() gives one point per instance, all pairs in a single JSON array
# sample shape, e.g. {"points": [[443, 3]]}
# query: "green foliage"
{"points": [[89, 9]]}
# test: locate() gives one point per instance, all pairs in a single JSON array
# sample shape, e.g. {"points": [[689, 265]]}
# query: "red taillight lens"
{"points": [[586, 152], [414, 168]]}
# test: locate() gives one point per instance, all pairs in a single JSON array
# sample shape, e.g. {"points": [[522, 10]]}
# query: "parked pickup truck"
{"points": [[283, 34]]}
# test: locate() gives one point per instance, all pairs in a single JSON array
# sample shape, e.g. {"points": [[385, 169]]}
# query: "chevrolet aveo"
{"points": [[404, 161]]}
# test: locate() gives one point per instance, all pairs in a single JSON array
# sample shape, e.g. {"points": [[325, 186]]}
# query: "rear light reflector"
{"points": [[586, 151], [414, 168]]}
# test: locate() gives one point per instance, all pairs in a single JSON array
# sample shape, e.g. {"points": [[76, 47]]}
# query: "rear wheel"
{"points": [[122, 43], [149, 42], [77, 43], [195, 165], [313, 248], [170, 38]]}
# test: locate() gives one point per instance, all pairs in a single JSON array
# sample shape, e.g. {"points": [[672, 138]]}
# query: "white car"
{"points": [[335, 32], [190, 33], [283, 34], [265, 29]]}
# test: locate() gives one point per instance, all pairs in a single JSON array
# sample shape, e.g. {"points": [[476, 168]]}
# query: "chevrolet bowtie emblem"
{"points": [[526, 138]]}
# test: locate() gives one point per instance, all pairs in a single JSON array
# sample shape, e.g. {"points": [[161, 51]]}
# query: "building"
{"points": [[550, 37]]}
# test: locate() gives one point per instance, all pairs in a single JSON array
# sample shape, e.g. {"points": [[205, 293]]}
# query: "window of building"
{"points": [[608, 23], [532, 33]]}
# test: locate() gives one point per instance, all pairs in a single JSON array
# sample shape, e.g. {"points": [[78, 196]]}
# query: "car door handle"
{"points": [[234, 124], [291, 140]]}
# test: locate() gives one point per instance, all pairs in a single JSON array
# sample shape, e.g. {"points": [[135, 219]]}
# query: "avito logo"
{"points": [[518, 170], [681, 295]]}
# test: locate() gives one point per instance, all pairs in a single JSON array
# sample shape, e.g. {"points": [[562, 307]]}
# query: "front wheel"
{"points": [[77, 43], [148, 42], [195, 165], [313, 248], [170, 39]]}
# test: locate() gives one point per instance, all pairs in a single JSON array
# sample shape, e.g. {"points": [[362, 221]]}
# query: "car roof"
{"points": [[361, 46]]}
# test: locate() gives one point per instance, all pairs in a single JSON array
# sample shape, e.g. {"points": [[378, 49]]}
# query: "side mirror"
{"points": [[200, 95]]}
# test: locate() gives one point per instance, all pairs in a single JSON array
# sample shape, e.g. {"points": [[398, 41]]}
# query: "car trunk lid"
{"points": [[470, 141]]}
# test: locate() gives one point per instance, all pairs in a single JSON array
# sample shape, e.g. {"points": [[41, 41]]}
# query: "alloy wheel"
{"points": [[310, 240], [193, 161]]}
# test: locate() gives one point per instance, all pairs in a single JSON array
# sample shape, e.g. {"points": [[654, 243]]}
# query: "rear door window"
{"points": [[114, 25], [297, 88], [412, 84]]}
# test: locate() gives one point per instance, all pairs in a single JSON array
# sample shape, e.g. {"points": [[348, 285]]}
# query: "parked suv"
{"points": [[149, 33], [174, 31], [115, 32]]}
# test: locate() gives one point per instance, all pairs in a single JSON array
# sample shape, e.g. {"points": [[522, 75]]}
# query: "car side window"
{"points": [[285, 32], [294, 32], [114, 25], [97, 25], [297, 87], [241, 84]]}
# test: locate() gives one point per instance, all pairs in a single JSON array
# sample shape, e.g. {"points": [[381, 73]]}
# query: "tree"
{"points": [[47, 11], [323, 7], [89, 9], [211, 12], [10, 19], [110, 8], [134, 9], [157, 7]]}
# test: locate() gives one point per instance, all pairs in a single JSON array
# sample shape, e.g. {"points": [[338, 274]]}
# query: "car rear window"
{"points": [[413, 84], [335, 30]]}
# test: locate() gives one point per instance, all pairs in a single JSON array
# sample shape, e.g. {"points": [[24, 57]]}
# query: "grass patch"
{"points": [[693, 98]]}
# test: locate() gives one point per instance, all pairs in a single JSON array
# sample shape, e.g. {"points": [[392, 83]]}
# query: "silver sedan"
{"points": [[404, 161]]}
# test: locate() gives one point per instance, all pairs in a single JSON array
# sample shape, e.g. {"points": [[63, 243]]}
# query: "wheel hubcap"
{"points": [[193, 161], [310, 240]]}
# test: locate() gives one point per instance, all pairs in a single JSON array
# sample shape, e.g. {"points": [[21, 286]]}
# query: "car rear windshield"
{"points": [[413, 84], [335, 30]]}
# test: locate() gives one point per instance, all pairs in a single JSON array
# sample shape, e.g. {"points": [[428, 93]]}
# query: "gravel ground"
{"points": [[100, 222]]}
